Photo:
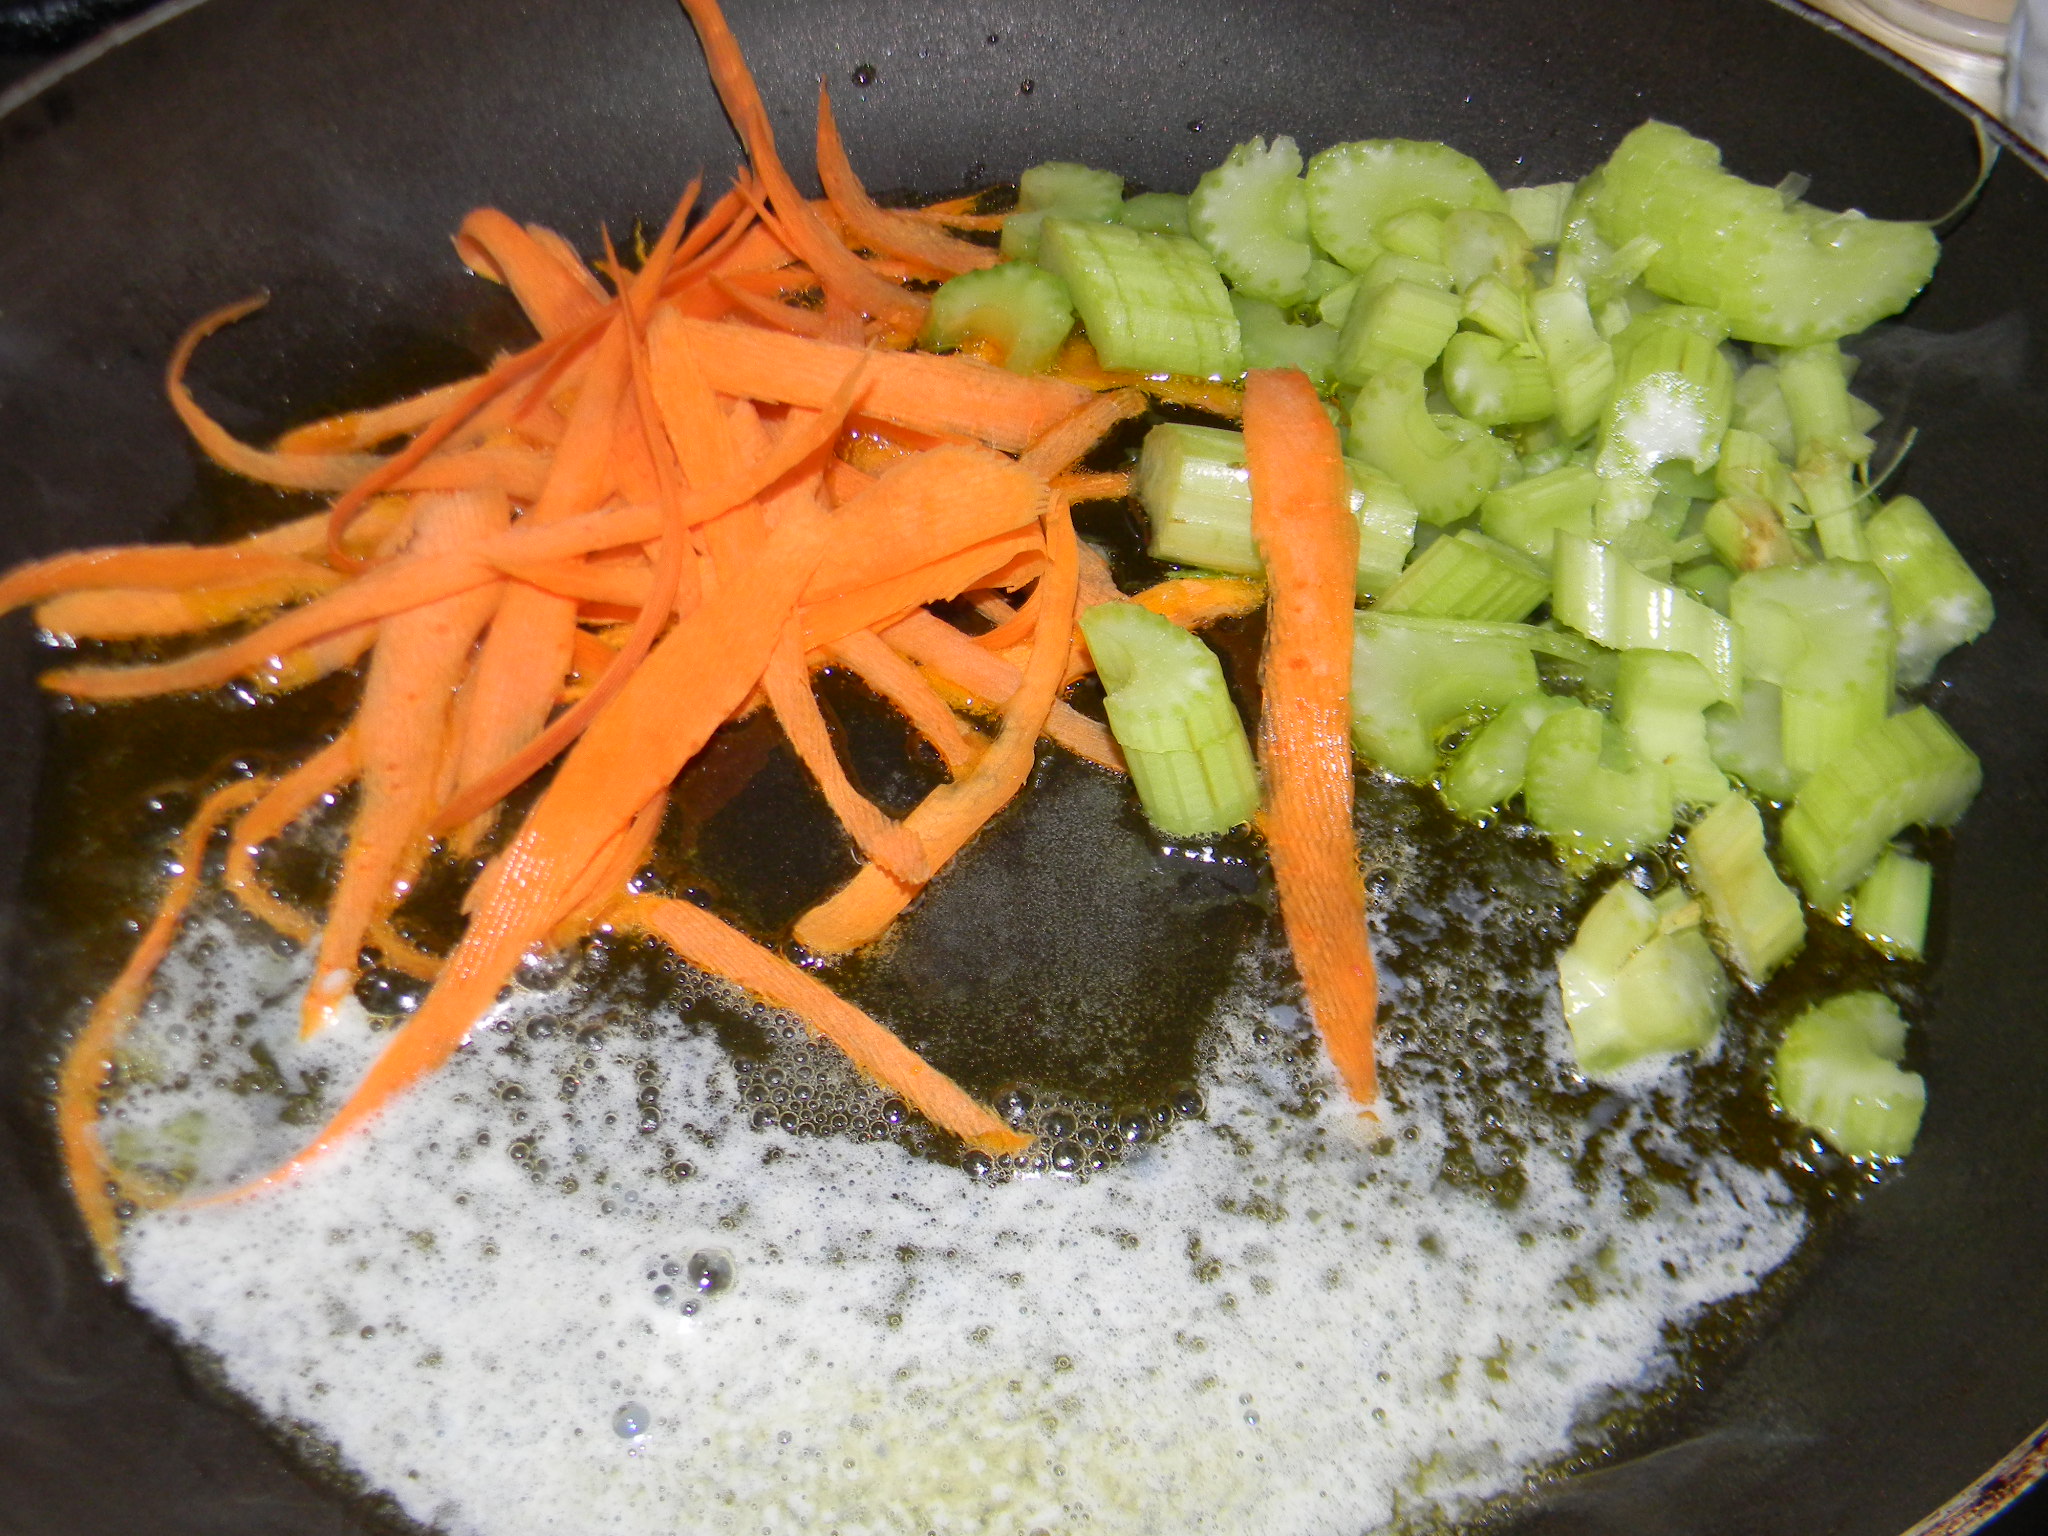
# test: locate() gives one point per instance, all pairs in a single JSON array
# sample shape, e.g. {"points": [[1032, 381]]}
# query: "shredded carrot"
{"points": [[285, 802], [555, 292], [115, 613], [1194, 602], [915, 240], [359, 431], [885, 671], [1078, 363], [1308, 542], [1063, 444], [831, 618], [1093, 485]]}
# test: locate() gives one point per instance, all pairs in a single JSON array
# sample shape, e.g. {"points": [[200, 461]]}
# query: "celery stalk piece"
{"points": [[1493, 383], [1937, 601], [1540, 210], [1674, 391], [1760, 408], [1469, 576], [1413, 679], [1153, 303], [1604, 598], [1747, 741], [1417, 234], [1597, 800], [1392, 431], [1908, 770], [1171, 713], [1486, 771], [1747, 534], [1786, 275], [1500, 311], [1059, 189], [1024, 311], [1756, 916], [1709, 581], [1251, 214], [1401, 321], [1837, 1070], [1271, 341], [1634, 988], [1527, 514], [1751, 465], [1325, 277], [1354, 188], [1890, 907], [1581, 362], [1335, 305], [1660, 703], [1198, 499], [1814, 383], [1478, 244], [1158, 213], [1823, 634]]}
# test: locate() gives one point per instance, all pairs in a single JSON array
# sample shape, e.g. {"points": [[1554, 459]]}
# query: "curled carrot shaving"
{"points": [[885, 671], [1194, 602], [284, 803], [915, 240]]}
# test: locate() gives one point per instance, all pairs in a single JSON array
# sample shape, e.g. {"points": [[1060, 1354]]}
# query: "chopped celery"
{"points": [[1660, 703], [1325, 277], [1527, 514], [1760, 408], [1890, 907], [1478, 244], [1750, 465], [1416, 234], [1493, 383], [1937, 601], [1747, 741], [1673, 393], [1354, 188], [1604, 598], [1486, 772], [1271, 341], [1709, 581], [1596, 799], [1198, 499], [1335, 305], [1059, 189], [1251, 213], [1636, 983], [1153, 303], [1401, 321], [1469, 576], [1022, 310], [1413, 679], [1838, 1071], [1756, 916], [1171, 713], [1908, 770], [1782, 274], [1540, 210], [1823, 634], [1581, 361], [1393, 431], [1499, 311], [1159, 213], [1748, 534], [1814, 382]]}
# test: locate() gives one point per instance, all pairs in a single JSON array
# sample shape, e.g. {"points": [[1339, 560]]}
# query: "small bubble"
{"points": [[978, 1164], [994, 38], [1013, 1104], [630, 1422], [710, 1271], [864, 75], [1194, 125], [664, 1294], [1059, 1125], [1187, 1102], [895, 1111], [1026, 88], [1134, 1125], [1066, 1157]]}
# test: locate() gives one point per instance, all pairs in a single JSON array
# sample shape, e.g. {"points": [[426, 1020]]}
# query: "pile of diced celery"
{"points": [[1620, 557]]}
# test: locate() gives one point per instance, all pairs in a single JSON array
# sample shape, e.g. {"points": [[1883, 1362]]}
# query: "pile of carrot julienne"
{"points": [[658, 518]]}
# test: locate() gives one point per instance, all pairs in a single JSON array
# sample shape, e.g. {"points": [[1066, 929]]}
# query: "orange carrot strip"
{"points": [[915, 240], [1195, 601], [1013, 626], [722, 950], [610, 873], [882, 839], [310, 663], [987, 682], [831, 618], [90, 1057], [284, 803], [520, 473], [1091, 485], [718, 221], [400, 733], [127, 614], [697, 428], [930, 506], [359, 431], [647, 282], [838, 269], [862, 909], [555, 293], [780, 317], [384, 591], [1066, 442], [157, 566], [1079, 364], [575, 581], [398, 953], [922, 390], [843, 482], [888, 675], [1308, 541]]}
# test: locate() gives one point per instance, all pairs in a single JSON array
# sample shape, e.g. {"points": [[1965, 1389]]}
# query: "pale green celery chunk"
{"points": [[1335, 306], [1660, 703], [1270, 340], [1674, 390], [1760, 408], [1938, 603], [1747, 534], [1478, 244], [1153, 303], [1251, 212], [1582, 368], [1540, 210], [1837, 1071], [1469, 576], [1823, 634], [1499, 310], [1391, 430], [1416, 234], [1392, 323], [1023, 310], [1603, 597], [1747, 741], [1709, 581], [1159, 213], [1527, 515], [1059, 189], [1493, 383], [1637, 985], [1353, 188], [1755, 915], [1890, 908], [1486, 771], [1599, 802], [1415, 679], [1908, 770]]}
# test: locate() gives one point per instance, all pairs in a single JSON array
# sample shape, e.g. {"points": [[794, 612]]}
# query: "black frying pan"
{"points": [[325, 150]]}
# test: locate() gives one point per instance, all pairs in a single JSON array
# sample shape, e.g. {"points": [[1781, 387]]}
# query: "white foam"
{"points": [[1273, 1321]]}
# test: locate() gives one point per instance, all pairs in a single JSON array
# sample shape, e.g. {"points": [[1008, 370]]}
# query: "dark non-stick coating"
{"points": [[324, 150]]}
